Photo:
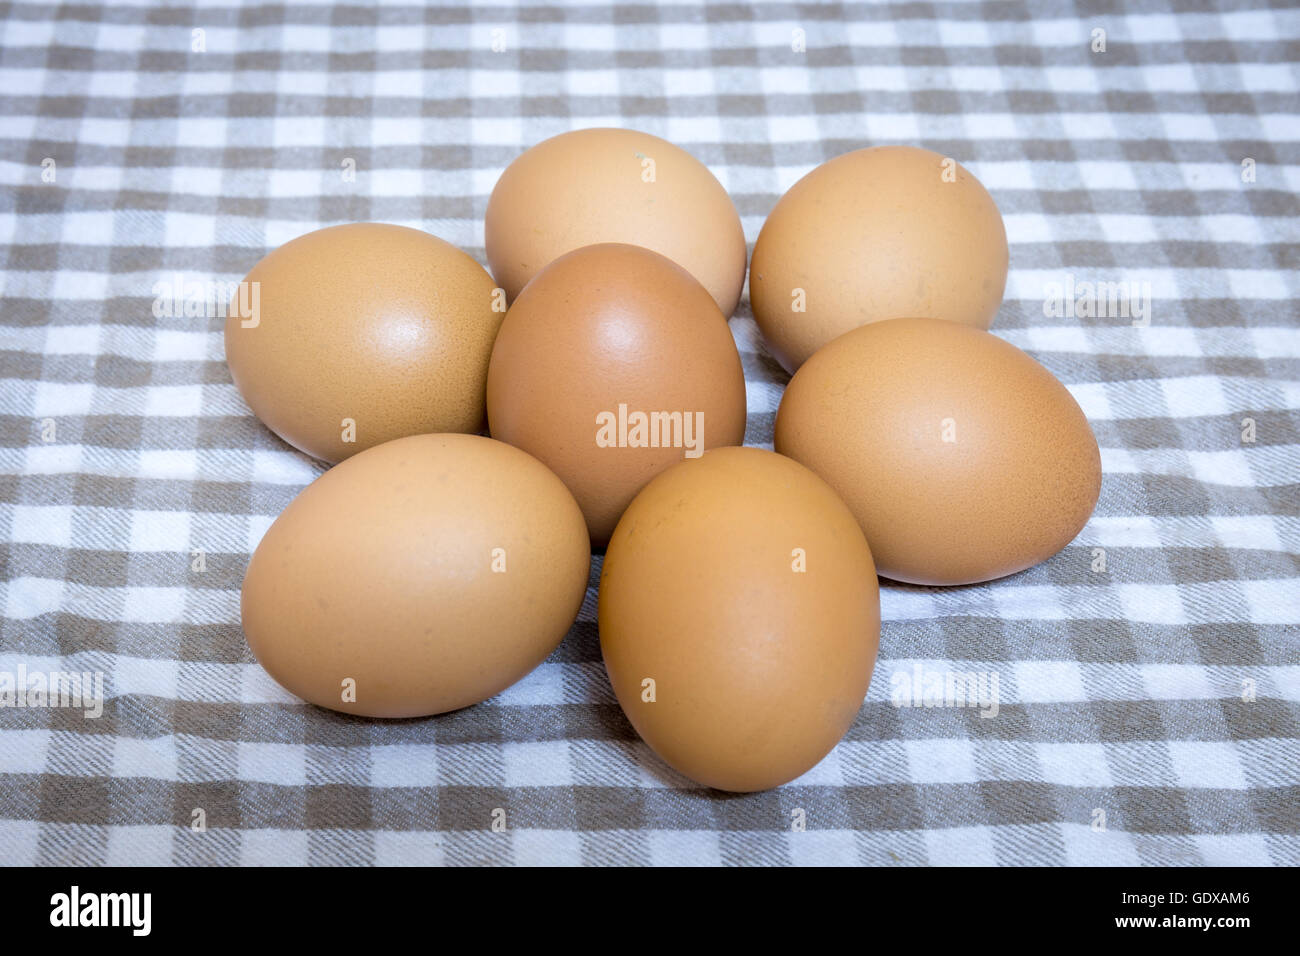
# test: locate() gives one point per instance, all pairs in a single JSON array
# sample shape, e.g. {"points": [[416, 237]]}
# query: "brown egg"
{"points": [[614, 185], [422, 575], [963, 458], [612, 365], [739, 618], [881, 233], [364, 333]]}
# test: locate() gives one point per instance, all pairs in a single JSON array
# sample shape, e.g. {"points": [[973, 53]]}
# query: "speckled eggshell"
{"points": [[614, 185], [874, 234], [384, 325], [962, 457], [432, 571], [742, 587], [604, 326]]}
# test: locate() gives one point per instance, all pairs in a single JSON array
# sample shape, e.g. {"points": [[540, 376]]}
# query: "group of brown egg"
{"points": [[739, 607]]}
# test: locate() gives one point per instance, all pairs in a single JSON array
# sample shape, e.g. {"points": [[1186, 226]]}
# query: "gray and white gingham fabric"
{"points": [[1147, 712]]}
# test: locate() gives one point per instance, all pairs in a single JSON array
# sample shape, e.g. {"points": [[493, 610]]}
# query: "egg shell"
{"points": [[882, 233], [606, 326], [614, 185], [758, 668], [433, 571], [962, 457], [387, 326]]}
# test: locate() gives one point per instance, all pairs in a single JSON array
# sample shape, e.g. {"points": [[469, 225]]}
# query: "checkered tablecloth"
{"points": [[1148, 675]]}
